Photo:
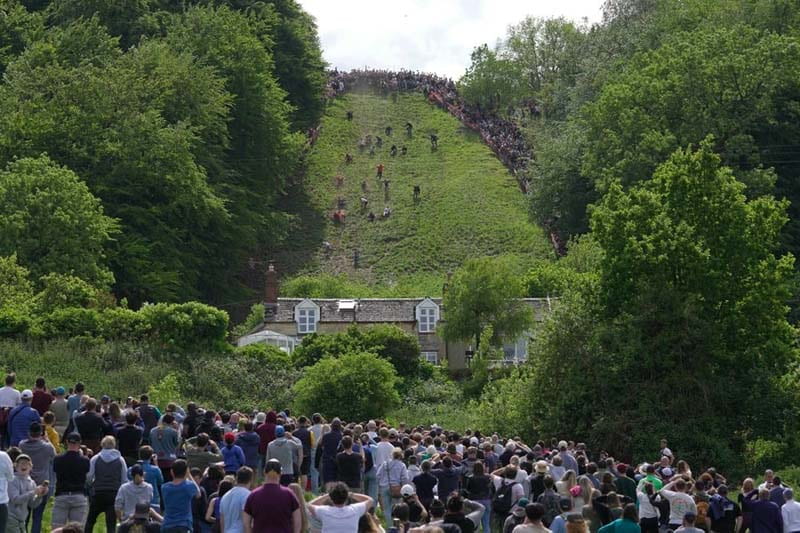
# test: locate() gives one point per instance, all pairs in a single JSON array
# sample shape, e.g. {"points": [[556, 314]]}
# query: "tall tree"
{"points": [[485, 292], [51, 221]]}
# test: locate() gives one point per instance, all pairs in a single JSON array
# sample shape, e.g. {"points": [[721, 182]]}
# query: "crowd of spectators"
{"points": [[201, 470]]}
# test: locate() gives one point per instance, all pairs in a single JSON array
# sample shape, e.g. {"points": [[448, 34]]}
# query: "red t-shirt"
{"points": [[41, 401], [271, 507]]}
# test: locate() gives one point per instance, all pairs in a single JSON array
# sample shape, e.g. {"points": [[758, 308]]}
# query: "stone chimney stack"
{"points": [[271, 290]]}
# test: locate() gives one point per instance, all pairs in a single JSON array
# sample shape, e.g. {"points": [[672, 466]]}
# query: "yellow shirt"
{"points": [[52, 436]]}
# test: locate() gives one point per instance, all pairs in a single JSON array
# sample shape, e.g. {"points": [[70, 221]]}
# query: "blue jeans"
{"points": [[486, 519], [387, 502], [36, 515], [313, 473], [371, 485]]}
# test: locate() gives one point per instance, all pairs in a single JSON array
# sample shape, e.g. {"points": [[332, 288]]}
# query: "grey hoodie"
{"points": [[42, 454], [107, 455], [287, 451], [22, 497], [129, 494]]}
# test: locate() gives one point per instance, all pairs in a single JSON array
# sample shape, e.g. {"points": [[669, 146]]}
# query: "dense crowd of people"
{"points": [[198, 470]]}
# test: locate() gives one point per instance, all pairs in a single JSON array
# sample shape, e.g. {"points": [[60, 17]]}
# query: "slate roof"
{"points": [[375, 310]]}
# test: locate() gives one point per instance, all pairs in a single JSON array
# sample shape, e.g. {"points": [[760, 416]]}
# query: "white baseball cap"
{"points": [[407, 490], [26, 394]]}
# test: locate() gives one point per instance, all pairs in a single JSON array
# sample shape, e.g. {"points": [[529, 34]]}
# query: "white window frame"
{"points": [[306, 314], [520, 349], [427, 316], [430, 356]]}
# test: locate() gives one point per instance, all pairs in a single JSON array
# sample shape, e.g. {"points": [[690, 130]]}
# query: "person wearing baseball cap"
{"points": [[288, 451], [61, 410], [232, 454], [21, 417], [42, 454], [71, 468], [140, 521], [272, 507]]}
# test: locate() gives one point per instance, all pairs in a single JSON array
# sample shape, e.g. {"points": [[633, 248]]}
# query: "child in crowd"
{"points": [[23, 495]]}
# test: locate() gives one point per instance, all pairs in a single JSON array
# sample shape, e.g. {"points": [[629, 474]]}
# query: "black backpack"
{"points": [[503, 499]]}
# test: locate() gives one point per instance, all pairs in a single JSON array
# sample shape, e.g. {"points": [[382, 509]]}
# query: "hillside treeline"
{"points": [[144, 146], [666, 141]]}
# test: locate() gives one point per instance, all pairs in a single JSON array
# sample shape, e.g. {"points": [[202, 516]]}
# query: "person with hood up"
{"points": [[266, 432], [249, 441], [232, 455], [107, 473], [288, 451]]}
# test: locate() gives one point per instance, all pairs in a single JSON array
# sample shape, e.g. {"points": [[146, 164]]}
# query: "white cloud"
{"points": [[428, 35]]}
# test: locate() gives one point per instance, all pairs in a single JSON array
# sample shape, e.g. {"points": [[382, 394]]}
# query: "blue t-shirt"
{"points": [[231, 509], [178, 504]]}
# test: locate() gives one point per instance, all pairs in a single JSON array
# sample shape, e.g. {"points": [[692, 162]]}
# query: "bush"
{"points": [[254, 376], [394, 345], [121, 323], [165, 391], [355, 386], [13, 322], [70, 322], [62, 290], [186, 326], [385, 341]]}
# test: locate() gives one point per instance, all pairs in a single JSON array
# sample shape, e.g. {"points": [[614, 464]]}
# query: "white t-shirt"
{"points": [[9, 397], [6, 475], [680, 503], [382, 453], [340, 519]]}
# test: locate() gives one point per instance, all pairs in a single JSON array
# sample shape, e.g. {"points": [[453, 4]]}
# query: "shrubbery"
{"points": [[355, 386], [386, 341]]}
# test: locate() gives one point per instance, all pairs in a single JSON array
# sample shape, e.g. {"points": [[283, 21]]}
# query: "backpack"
{"points": [[552, 507], [503, 499]]}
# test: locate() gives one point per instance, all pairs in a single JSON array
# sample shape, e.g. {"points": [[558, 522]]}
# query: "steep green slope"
{"points": [[469, 204]]}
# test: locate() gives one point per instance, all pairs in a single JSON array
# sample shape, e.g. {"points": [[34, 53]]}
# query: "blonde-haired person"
{"points": [[748, 486], [585, 496], [305, 524], [565, 487]]}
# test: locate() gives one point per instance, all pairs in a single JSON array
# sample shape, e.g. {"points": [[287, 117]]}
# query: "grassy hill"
{"points": [[469, 204]]}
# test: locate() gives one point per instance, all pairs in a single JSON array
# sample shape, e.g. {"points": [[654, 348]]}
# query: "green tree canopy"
{"points": [[51, 221], [485, 292], [355, 386], [691, 304]]}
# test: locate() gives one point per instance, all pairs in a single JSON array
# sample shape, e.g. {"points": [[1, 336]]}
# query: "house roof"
{"points": [[374, 310]]}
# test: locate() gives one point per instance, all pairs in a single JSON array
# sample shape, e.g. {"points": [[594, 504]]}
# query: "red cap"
{"points": [[230, 437]]}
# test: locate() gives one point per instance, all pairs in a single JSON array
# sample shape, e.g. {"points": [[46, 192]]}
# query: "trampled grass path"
{"points": [[469, 206]]}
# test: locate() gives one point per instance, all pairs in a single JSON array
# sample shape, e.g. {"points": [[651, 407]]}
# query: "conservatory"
{"points": [[287, 343]]}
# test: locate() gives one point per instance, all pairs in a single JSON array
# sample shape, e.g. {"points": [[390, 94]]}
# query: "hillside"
{"points": [[469, 205]]}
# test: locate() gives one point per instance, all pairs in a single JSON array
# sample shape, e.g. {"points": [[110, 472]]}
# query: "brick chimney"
{"points": [[271, 291]]}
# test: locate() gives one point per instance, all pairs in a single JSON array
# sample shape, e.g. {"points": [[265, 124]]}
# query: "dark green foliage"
{"points": [[328, 387], [177, 120]]}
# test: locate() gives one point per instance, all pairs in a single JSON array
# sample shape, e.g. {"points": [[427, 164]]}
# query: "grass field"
{"points": [[469, 206]]}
